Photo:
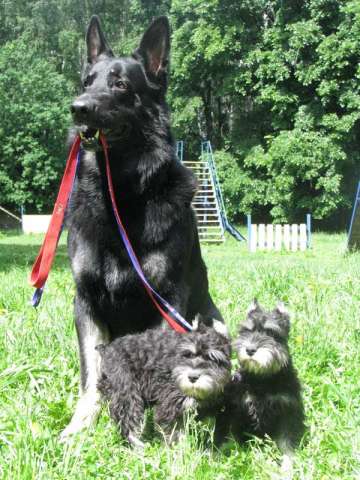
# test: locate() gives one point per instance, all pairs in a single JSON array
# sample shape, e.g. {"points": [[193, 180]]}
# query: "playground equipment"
{"points": [[208, 201], [354, 229], [275, 237], [8, 220]]}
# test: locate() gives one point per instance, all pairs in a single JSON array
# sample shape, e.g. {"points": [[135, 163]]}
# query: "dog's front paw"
{"points": [[76, 425], [286, 467], [86, 413], [68, 433]]}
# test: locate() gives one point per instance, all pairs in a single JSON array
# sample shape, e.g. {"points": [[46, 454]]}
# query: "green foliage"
{"points": [[296, 144], [267, 82], [34, 101], [300, 175], [297, 174]]}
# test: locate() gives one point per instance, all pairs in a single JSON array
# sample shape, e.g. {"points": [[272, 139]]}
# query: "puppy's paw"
{"points": [[135, 442]]}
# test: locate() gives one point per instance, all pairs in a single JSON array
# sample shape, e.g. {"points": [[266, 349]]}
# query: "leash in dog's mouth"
{"points": [[90, 137]]}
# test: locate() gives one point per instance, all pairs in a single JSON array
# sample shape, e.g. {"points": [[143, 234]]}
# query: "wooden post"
{"points": [[294, 237], [261, 232], [302, 239], [253, 237], [269, 236], [287, 237], [278, 237]]}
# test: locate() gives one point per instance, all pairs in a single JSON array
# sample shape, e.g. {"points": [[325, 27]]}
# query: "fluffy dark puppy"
{"points": [[162, 368], [125, 98], [264, 396]]}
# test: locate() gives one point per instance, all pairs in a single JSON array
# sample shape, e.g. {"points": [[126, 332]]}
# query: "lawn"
{"points": [[39, 369]]}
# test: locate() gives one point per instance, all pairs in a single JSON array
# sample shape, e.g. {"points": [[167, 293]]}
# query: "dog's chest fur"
{"points": [[259, 409], [155, 209], [259, 406]]}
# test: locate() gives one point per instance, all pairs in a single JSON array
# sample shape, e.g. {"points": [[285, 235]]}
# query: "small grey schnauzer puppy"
{"points": [[171, 371], [264, 395]]}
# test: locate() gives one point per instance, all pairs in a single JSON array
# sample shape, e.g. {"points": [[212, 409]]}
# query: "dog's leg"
{"points": [[222, 428], [128, 411], [170, 414], [127, 406], [90, 334], [286, 466], [212, 311]]}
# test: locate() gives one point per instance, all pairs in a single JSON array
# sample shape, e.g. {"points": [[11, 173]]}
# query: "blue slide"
{"points": [[354, 229]]}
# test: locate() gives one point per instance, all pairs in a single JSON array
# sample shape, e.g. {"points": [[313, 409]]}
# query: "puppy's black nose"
{"points": [[193, 378], [250, 351]]}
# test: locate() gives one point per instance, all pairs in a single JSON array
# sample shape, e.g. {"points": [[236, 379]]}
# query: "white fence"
{"points": [[277, 237], [35, 223]]}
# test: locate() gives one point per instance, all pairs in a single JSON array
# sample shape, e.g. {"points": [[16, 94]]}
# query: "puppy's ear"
{"points": [[220, 328], [96, 42], [154, 50], [283, 316], [280, 308], [254, 307]]}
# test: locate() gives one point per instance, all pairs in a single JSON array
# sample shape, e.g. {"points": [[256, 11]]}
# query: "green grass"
{"points": [[39, 369]]}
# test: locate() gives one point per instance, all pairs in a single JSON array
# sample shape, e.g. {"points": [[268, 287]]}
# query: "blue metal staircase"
{"points": [[206, 152], [208, 202]]}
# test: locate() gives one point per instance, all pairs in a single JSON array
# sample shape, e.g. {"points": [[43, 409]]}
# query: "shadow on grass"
{"points": [[23, 256]]}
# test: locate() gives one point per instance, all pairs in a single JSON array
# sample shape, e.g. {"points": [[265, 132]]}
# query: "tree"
{"points": [[267, 81], [34, 101]]}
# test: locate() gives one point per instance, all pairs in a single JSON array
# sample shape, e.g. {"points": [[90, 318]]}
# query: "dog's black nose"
{"points": [[193, 378], [250, 351], [80, 109]]}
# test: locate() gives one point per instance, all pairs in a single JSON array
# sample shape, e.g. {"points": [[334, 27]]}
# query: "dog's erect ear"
{"points": [[283, 316], [280, 308], [220, 328], [154, 49], [96, 42], [254, 307]]}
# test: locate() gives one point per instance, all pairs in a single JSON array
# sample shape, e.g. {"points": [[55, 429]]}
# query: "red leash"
{"points": [[42, 265], [44, 260]]}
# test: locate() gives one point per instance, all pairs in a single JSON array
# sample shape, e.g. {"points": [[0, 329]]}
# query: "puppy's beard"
{"points": [[204, 387], [263, 361]]}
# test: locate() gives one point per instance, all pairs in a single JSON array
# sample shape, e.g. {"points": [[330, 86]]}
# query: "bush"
{"points": [[299, 173]]}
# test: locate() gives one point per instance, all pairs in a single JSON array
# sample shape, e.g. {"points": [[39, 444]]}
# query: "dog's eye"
{"points": [[246, 330], [272, 332], [188, 354], [121, 85], [87, 82]]}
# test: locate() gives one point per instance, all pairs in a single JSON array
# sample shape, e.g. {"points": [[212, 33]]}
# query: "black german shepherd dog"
{"points": [[124, 97]]}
